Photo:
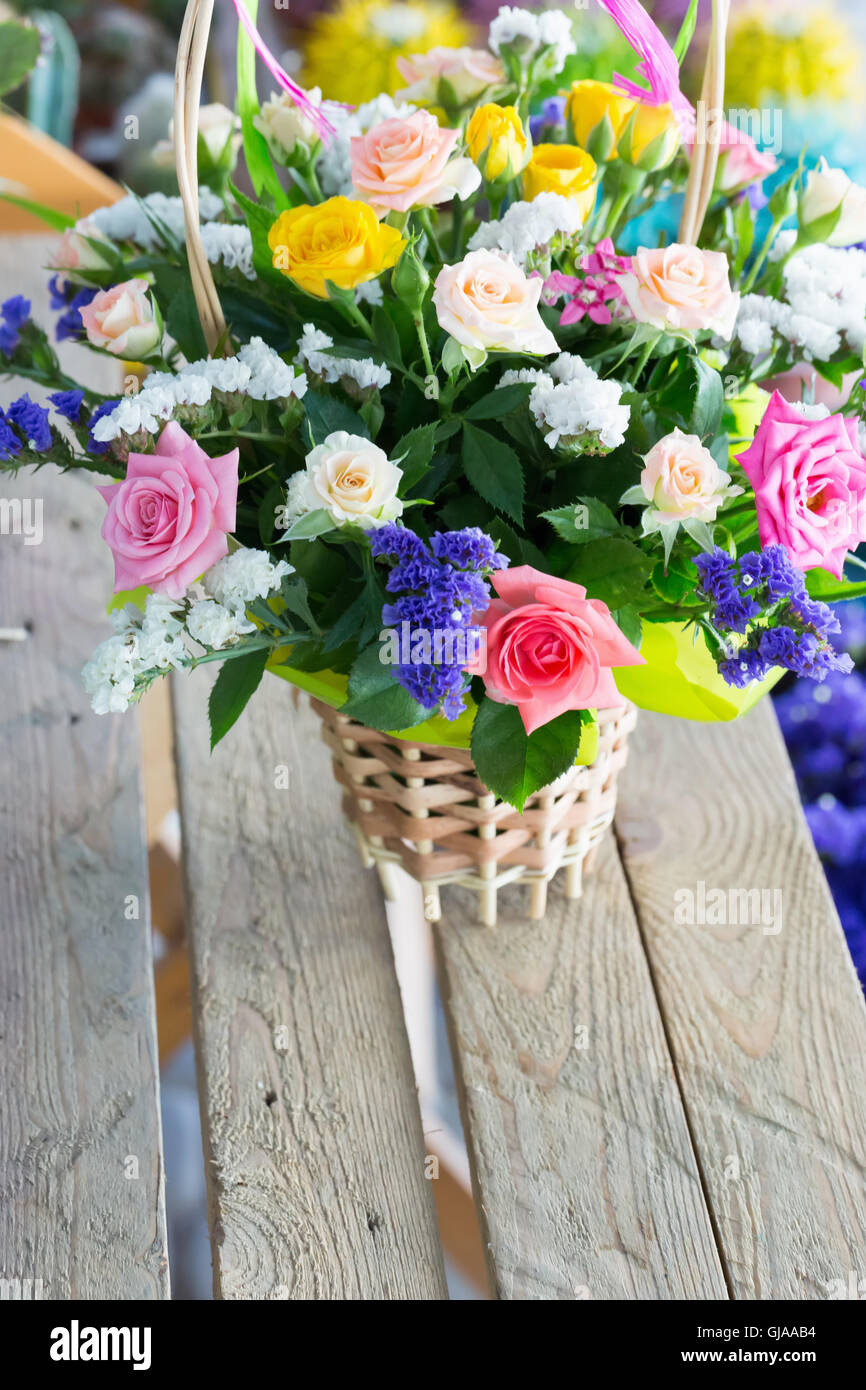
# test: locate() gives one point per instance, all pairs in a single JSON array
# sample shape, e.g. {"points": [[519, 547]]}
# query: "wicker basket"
{"points": [[414, 804], [423, 807]]}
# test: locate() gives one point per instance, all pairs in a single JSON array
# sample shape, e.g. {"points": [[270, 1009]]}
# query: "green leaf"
{"points": [[514, 764], [499, 402], [675, 582], [744, 228], [19, 49], [183, 322], [260, 166], [823, 585], [494, 471], [58, 221], [375, 698], [413, 455], [387, 337], [238, 679], [311, 524], [326, 414], [694, 397], [293, 592], [687, 29], [613, 570], [587, 519], [628, 620]]}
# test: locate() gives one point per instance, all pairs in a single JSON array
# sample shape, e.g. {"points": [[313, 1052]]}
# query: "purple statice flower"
{"points": [[69, 299], [469, 549], [715, 568], [396, 543], [757, 198], [97, 446], [14, 313], [743, 668], [551, 115], [32, 420], [68, 404], [10, 444], [779, 573], [815, 614], [413, 573]]}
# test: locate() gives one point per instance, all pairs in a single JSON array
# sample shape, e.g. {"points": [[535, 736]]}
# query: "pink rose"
{"points": [[123, 320], [400, 165], [549, 648], [740, 160], [681, 287], [809, 478], [467, 72], [167, 521], [74, 251]]}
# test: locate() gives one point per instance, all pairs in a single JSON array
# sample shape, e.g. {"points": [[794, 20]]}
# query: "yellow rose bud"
{"points": [[497, 142], [564, 169], [597, 113], [339, 241], [650, 138]]}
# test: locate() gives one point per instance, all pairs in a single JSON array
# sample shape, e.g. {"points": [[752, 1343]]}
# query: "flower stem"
{"points": [[418, 320], [355, 315]]}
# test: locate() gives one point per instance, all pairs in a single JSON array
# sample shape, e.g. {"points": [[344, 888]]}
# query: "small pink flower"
{"points": [[123, 320], [168, 520], [809, 478], [549, 648], [403, 164], [592, 294]]}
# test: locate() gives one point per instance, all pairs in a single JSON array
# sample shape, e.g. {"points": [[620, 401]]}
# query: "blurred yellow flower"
{"points": [[597, 112], [353, 49], [497, 142], [651, 137], [340, 240], [564, 169], [788, 52]]}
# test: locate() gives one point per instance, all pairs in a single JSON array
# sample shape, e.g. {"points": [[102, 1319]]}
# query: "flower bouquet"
{"points": [[409, 431]]}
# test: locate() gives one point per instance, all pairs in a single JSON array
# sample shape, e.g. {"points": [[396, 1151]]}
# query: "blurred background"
{"points": [[94, 114]]}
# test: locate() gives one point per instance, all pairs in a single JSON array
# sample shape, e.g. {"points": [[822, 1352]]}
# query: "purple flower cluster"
{"points": [[26, 422], [68, 404], [438, 588], [68, 300], [14, 313], [764, 594]]}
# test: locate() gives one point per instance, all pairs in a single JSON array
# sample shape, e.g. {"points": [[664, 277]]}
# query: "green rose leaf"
{"points": [[238, 679], [375, 698], [612, 569], [514, 764], [588, 519], [494, 471]]}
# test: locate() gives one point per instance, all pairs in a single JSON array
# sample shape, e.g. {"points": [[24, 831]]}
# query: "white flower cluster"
{"points": [[529, 229], [531, 31], [312, 351], [229, 244], [257, 372], [571, 405], [139, 219], [147, 645], [824, 306], [334, 165]]}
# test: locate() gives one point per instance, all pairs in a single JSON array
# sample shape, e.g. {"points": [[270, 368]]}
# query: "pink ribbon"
{"points": [[314, 115]]}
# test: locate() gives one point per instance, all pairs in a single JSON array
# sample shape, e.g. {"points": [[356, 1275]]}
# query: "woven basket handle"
{"points": [[705, 153], [189, 68]]}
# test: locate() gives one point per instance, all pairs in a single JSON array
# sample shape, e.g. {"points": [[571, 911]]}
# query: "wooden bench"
{"points": [[653, 1109]]}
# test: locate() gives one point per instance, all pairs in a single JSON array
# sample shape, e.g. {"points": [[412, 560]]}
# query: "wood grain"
{"points": [[313, 1142], [81, 1179], [582, 1165], [768, 1031]]}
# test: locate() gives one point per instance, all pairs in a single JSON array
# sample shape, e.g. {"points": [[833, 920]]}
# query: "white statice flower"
{"points": [[244, 575], [531, 230], [334, 163], [313, 351], [530, 31], [574, 408], [271, 378], [213, 625], [522, 376], [782, 245], [823, 306], [369, 292], [139, 219], [109, 675], [229, 244], [143, 646]]}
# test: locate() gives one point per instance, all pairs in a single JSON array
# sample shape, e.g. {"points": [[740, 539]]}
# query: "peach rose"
{"points": [[403, 164], [487, 304], [466, 72], [681, 287], [123, 320], [75, 252], [740, 160], [549, 648], [682, 480], [352, 479]]}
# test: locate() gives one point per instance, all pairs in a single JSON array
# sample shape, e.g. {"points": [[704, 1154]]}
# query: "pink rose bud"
{"points": [[549, 648], [124, 321], [809, 478], [168, 520], [75, 251]]}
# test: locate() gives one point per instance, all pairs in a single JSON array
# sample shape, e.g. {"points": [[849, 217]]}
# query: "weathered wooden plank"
{"points": [[582, 1167], [767, 1027], [313, 1143], [81, 1179]]}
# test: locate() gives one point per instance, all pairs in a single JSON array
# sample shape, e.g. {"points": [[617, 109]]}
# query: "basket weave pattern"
{"points": [[423, 806]]}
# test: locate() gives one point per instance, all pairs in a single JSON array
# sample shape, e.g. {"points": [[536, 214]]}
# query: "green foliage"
{"points": [[376, 699], [613, 569], [494, 471], [514, 764], [238, 679], [19, 49]]}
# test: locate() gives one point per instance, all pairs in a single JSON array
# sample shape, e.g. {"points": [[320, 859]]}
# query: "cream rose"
{"points": [[123, 320], [682, 481], [827, 189], [351, 479], [285, 126], [487, 304], [401, 164], [466, 72], [681, 287]]}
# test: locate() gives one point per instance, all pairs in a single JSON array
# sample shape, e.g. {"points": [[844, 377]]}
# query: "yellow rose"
{"points": [[597, 113], [497, 142], [650, 138], [564, 169], [340, 240]]}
